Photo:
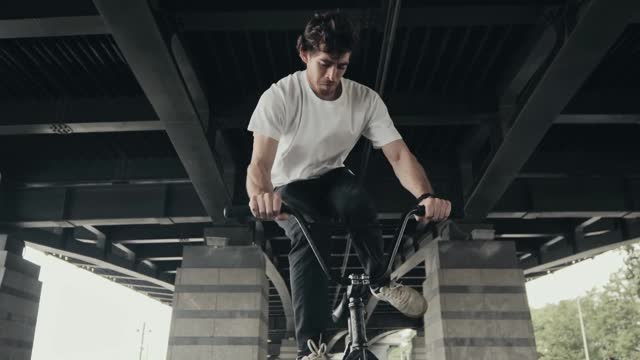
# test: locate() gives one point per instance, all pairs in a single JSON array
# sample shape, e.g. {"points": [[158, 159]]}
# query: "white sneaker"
{"points": [[407, 300], [317, 353]]}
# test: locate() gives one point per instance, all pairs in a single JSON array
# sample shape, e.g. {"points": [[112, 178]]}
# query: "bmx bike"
{"points": [[357, 285]]}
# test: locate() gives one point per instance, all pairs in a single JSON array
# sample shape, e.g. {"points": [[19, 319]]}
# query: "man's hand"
{"points": [[266, 206], [435, 209]]}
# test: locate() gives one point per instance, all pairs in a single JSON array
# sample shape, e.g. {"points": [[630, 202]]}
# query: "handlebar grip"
{"points": [[237, 212], [420, 210], [243, 211]]}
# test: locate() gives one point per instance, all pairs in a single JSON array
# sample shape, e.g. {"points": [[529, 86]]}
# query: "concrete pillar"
{"points": [[220, 305], [478, 304], [19, 300], [288, 349], [418, 349]]}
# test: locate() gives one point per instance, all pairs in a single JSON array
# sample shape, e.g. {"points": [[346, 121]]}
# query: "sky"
{"points": [[575, 280], [84, 316]]}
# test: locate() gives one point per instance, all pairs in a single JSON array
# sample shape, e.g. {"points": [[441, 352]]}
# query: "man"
{"points": [[304, 126]]}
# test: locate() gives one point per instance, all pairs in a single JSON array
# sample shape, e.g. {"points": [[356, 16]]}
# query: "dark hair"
{"points": [[331, 32]]}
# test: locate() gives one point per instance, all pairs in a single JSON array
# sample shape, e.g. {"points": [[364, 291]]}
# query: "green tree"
{"points": [[614, 322], [611, 316], [632, 267], [557, 330]]}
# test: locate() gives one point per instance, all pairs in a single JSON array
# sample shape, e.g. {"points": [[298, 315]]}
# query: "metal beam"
{"points": [[77, 110], [390, 28], [468, 15], [158, 252], [565, 198], [170, 204], [102, 205], [601, 24], [574, 164], [532, 57], [52, 26], [136, 114], [283, 20], [563, 253], [196, 89], [109, 273], [141, 40], [517, 228], [240, 122], [156, 234], [78, 173], [79, 128], [61, 242], [633, 119]]}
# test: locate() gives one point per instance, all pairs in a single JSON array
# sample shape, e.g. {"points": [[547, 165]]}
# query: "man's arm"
{"points": [[413, 178], [259, 171], [264, 203], [408, 170]]}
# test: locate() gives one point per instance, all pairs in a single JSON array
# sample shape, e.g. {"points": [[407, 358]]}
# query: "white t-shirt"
{"points": [[315, 135]]}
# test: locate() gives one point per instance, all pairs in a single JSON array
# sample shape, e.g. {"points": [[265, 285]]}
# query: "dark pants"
{"points": [[335, 195]]}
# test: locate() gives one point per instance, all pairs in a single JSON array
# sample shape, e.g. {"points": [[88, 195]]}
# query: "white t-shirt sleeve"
{"points": [[269, 115], [380, 129]]}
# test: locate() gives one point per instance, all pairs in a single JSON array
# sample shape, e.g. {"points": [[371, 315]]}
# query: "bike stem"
{"points": [[357, 325]]}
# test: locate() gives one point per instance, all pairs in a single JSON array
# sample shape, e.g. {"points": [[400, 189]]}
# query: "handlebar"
{"points": [[244, 212]]}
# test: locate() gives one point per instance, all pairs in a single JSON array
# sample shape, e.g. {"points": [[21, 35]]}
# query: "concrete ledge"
{"points": [[230, 328], [17, 263], [478, 305], [492, 353], [483, 315], [221, 301], [479, 302], [11, 245], [10, 353], [219, 288], [471, 255], [229, 257], [21, 282], [430, 294], [16, 344], [9, 316], [221, 305], [220, 276], [486, 277], [220, 340], [482, 329], [208, 352], [16, 330], [19, 293], [217, 314], [16, 305], [483, 342]]}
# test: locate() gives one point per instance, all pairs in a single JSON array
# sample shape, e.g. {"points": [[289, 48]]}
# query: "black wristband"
{"points": [[425, 196]]}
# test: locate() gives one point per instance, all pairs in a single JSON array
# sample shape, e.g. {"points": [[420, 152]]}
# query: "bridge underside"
{"points": [[525, 115]]}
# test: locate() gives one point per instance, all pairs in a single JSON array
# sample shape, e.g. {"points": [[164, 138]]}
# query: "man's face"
{"points": [[324, 71]]}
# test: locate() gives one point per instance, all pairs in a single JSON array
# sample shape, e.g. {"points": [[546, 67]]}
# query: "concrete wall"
{"points": [[19, 300], [478, 306], [220, 307]]}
